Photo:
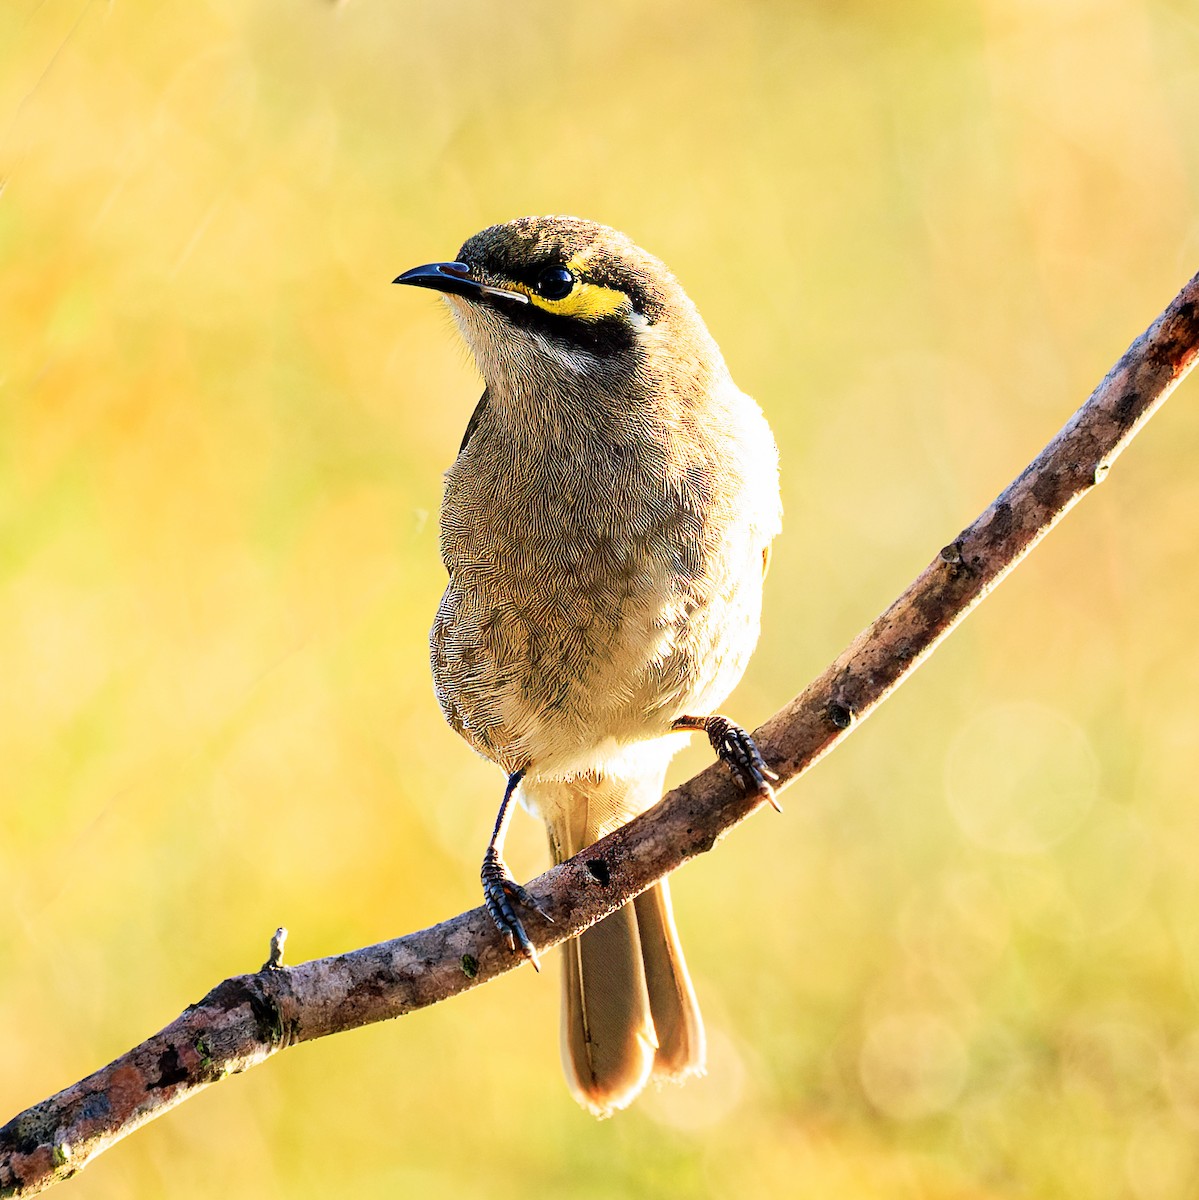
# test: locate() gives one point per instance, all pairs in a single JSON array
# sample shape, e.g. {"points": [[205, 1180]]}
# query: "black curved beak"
{"points": [[454, 279]]}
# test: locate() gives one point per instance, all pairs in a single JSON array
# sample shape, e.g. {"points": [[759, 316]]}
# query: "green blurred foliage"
{"points": [[966, 962]]}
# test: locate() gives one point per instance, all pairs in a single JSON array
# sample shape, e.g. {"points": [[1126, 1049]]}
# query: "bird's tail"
{"points": [[628, 1008]]}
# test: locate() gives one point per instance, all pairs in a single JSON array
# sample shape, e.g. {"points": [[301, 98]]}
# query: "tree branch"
{"points": [[248, 1018]]}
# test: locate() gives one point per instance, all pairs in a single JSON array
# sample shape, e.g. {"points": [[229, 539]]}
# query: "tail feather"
{"points": [[608, 1038], [673, 1007], [629, 1012]]}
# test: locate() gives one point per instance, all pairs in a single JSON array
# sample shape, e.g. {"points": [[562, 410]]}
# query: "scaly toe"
{"points": [[738, 750], [500, 891]]}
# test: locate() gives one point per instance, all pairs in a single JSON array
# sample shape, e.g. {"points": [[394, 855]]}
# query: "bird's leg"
{"points": [[500, 889], [736, 749]]}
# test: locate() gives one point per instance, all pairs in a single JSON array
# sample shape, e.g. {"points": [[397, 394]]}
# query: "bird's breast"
{"points": [[596, 586]]}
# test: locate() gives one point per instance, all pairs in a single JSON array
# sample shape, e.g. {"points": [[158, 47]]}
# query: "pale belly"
{"points": [[561, 643]]}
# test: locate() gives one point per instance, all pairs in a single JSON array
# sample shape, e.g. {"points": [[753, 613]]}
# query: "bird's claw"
{"points": [[740, 753], [500, 893]]}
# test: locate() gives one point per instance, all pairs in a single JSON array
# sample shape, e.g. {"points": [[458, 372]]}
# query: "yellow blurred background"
{"points": [[966, 961]]}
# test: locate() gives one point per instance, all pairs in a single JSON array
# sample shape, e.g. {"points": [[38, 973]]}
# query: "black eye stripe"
{"points": [[555, 283]]}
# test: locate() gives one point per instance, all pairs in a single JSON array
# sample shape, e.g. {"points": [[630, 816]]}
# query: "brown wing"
{"points": [[474, 420]]}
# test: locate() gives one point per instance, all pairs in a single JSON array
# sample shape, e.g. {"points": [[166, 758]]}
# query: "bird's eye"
{"points": [[555, 283]]}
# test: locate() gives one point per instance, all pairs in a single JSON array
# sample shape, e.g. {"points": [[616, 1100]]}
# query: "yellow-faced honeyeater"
{"points": [[606, 527]]}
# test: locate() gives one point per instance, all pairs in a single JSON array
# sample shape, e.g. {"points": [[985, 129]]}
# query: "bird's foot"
{"points": [[738, 751], [500, 892]]}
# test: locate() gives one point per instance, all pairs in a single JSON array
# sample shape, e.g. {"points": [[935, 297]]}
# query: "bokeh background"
{"points": [[966, 961]]}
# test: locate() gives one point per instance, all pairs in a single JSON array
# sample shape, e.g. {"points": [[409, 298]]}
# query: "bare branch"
{"points": [[248, 1018]]}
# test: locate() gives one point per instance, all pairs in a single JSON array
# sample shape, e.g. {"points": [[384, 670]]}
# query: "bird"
{"points": [[606, 527]]}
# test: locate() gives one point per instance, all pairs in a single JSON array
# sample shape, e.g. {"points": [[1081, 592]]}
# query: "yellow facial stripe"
{"points": [[586, 301]]}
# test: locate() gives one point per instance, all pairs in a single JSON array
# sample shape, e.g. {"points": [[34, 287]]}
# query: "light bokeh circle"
{"points": [[1019, 777]]}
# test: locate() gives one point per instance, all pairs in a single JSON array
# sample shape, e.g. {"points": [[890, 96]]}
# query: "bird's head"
{"points": [[560, 303]]}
